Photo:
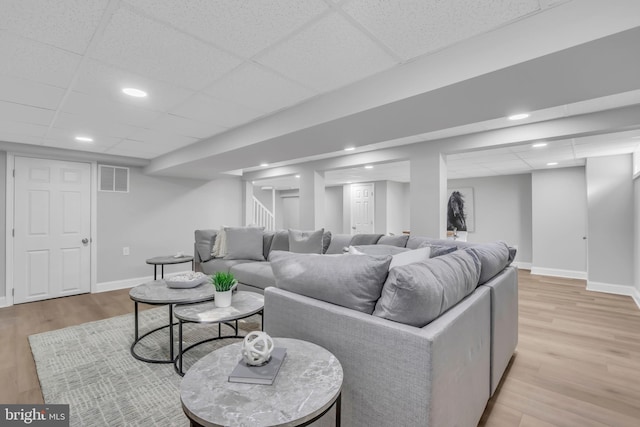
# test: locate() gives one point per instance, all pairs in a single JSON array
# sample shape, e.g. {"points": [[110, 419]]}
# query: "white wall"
{"points": [[264, 196], [636, 236], [380, 207], [158, 217], [291, 212], [333, 209], [559, 207], [610, 223], [502, 211], [397, 207]]}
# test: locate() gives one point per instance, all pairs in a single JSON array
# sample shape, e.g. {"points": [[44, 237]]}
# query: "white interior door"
{"points": [[52, 224], [362, 208]]}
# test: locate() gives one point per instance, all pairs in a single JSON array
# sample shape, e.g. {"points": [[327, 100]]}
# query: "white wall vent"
{"points": [[113, 178]]}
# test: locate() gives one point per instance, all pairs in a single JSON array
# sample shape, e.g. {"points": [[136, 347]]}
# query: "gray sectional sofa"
{"points": [[398, 371]]}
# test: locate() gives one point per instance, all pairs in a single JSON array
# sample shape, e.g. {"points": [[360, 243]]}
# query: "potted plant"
{"points": [[224, 284]]}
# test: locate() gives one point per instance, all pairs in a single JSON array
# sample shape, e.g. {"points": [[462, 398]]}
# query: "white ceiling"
{"points": [[234, 83]]}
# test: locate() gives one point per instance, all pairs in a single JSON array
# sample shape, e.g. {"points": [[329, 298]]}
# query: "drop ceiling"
{"points": [[236, 83]]}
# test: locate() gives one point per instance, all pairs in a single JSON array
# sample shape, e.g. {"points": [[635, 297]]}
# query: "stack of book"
{"points": [[264, 374]]}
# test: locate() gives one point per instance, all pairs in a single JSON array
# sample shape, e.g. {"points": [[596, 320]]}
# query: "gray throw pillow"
{"points": [[204, 243], [352, 281], [280, 241], [306, 242], [244, 243], [400, 241], [494, 257], [416, 294], [438, 250], [365, 239], [326, 241]]}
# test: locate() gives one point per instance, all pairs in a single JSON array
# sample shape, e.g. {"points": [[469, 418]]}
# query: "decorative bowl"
{"points": [[188, 280]]}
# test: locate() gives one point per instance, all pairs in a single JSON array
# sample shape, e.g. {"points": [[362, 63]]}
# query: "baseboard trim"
{"points": [[3, 302], [567, 274], [636, 297], [129, 283], [609, 288], [523, 265]]}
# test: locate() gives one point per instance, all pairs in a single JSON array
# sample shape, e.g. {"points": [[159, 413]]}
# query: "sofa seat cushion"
{"points": [[352, 281], [257, 274], [416, 294], [494, 257], [220, 264]]}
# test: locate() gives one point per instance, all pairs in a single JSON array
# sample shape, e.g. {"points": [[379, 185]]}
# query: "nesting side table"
{"points": [[308, 385]]}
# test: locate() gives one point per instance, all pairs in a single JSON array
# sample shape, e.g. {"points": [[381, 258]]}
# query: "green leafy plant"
{"points": [[223, 281]]}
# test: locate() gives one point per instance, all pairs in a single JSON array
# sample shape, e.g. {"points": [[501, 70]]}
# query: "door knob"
{"points": [[85, 241]]}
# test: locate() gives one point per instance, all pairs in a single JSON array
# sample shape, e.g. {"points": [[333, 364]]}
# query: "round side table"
{"points": [[308, 385], [166, 260]]}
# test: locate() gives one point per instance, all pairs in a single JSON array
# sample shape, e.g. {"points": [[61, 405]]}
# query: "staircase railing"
{"points": [[262, 216]]}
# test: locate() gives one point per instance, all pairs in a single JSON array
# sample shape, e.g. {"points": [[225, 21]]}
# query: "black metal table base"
{"points": [[177, 363], [138, 338]]}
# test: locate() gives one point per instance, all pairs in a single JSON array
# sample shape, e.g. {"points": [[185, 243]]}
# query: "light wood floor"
{"points": [[577, 362]]}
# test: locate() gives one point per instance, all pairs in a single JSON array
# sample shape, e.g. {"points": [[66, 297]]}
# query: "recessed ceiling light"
{"points": [[539, 145], [264, 165], [368, 167], [84, 139], [131, 91], [519, 116], [552, 163], [349, 148], [297, 176]]}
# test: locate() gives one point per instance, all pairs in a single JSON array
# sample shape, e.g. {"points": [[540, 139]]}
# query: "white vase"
{"points": [[223, 299]]}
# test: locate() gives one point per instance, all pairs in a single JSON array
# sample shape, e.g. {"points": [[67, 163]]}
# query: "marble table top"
{"points": [[308, 383], [243, 304], [157, 292], [169, 259]]}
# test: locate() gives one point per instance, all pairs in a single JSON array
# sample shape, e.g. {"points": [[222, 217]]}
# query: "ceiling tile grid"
{"points": [[209, 110], [12, 112], [185, 127], [244, 27], [67, 24], [146, 47], [413, 28], [36, 61], [328, 54], [96, 126], [27, 92], [259, 88]]}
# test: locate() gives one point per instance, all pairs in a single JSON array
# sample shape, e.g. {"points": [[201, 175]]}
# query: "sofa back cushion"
{"points": [[267, 240], [400, 241], [204, 243], [352, 281], [306, 242], [365, 239], [244, 243], [338, 243], [494, 257], [416, 294], [376, 250], [280, 241]]}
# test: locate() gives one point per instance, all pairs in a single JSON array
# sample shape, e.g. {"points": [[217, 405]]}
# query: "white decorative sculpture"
{"points": [[256, 348]]}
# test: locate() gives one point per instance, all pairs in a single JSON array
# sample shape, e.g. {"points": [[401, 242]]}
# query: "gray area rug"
{"points": [[89, 367]]}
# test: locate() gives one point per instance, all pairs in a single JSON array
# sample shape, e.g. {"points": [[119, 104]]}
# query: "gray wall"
{"points": [[380, 207], [291, 212], [158, 217], [397, 207], [636, 234], [333, 209], [502, 211], [610, 221], [3, 221], [559, 221], [264, 196]]}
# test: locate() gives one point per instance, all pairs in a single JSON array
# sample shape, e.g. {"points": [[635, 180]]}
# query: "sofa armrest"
{"points": [[397, 374]]}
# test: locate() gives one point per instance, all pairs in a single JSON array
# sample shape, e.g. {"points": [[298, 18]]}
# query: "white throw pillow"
{"points": [[220, 245], [410, 257]]}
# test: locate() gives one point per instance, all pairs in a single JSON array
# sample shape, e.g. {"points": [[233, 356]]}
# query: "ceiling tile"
{"points": [[19, 138], [259, 88], [65, 138], [24, 113], [144, 149], [156, 140], [22, 128], [92, 108], [222, 113], [328, 54], [242, 26], [36, 61], [143, 46], [26, 92], [186, 127], [96, 126], [413, 28], [67, 24], [107, 82]]}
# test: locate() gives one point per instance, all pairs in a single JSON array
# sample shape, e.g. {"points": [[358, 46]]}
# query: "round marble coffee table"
{"points": [[308, 384], [158, 293], [243, 304], [166, 260]]}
